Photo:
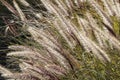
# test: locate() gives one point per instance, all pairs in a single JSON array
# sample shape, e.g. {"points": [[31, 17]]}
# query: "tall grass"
{"points": [[63, 28]]}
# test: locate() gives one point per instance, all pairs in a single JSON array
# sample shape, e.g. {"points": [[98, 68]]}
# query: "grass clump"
{"points": [[64, 39]]}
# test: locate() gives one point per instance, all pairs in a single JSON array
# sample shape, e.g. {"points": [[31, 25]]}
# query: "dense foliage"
{"points": [[60, 39]]}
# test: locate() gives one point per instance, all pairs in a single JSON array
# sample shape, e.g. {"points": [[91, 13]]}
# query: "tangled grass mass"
{"points": [[64, 39]]}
